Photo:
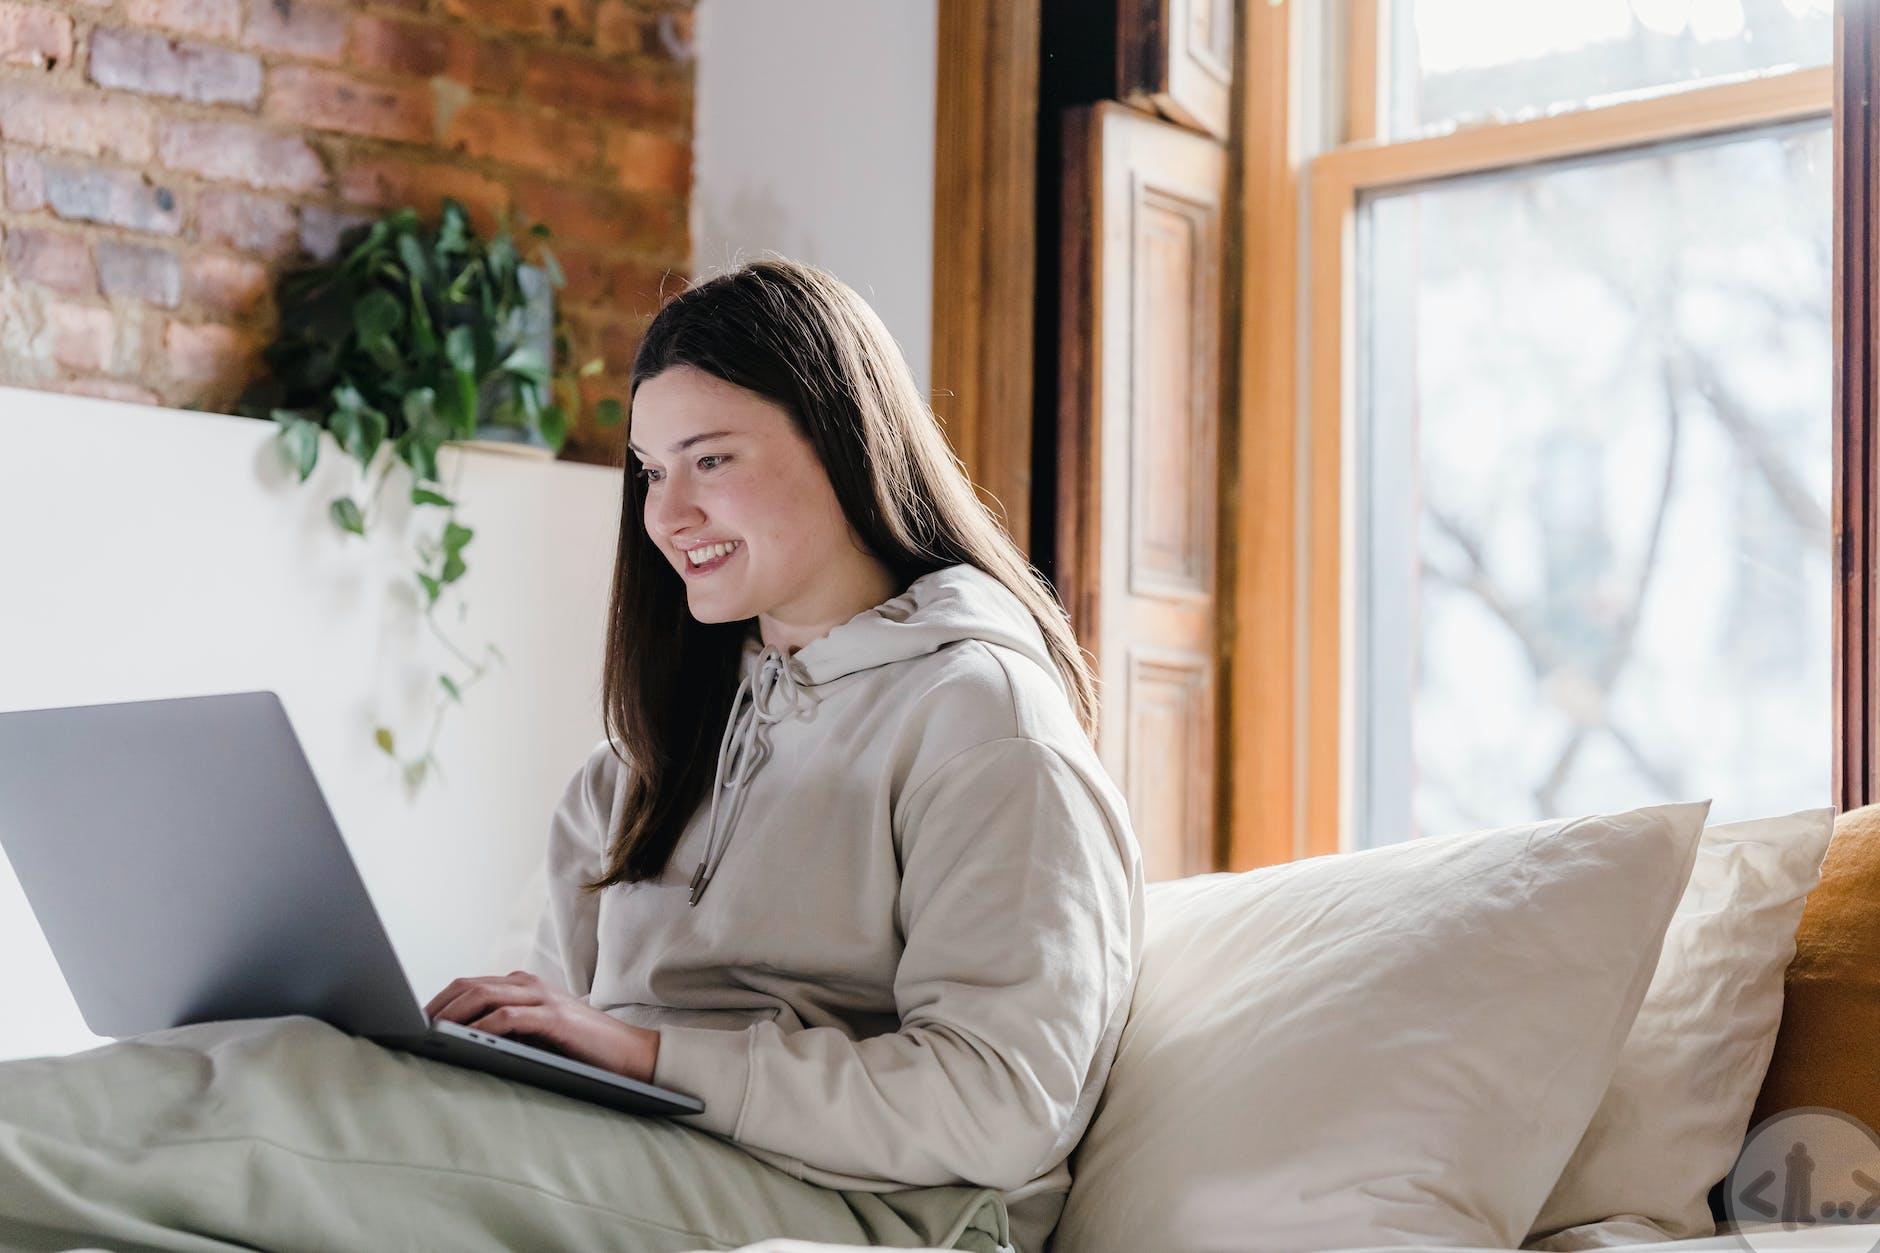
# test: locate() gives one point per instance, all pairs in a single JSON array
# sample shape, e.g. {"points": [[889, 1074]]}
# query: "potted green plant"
{"points": [[417, 336]]}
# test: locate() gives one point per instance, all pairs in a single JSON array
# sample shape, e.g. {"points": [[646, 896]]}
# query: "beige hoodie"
{"points": [[913, 959]]}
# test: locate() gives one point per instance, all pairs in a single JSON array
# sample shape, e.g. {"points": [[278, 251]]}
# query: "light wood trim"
{"points": [[985, 244], [1260, 524], [1367, 68], [1336, 180], [1677, 115], [1856, 284]]}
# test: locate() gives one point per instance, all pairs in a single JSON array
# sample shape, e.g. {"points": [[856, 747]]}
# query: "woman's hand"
{"points": [[522, 1006]]}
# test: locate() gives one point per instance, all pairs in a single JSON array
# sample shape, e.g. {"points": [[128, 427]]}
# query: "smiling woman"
{"points": [[740, 493], [887, 932]]}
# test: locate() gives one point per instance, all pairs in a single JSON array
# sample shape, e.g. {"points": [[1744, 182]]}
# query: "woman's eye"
{"points": [[712, 457], [646, 475]]}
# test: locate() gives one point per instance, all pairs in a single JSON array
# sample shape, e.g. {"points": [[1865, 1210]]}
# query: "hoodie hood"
{"points": [[945, 606], [959, 602]]}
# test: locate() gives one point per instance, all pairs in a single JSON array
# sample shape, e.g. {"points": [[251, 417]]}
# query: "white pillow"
{"points": [[1400, 1045], [1674, 1118]]}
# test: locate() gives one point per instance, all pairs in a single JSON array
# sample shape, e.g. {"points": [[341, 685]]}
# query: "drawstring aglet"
{"points": [[698, 877]]}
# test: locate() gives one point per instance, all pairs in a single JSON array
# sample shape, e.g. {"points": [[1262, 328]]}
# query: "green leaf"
{"points": [[345, 425], [456, 536], [527, 362], [345, 514], [451, 688], [377, 316], [411, 254], [372, 429], [609, 412], [460, 349], [382, 736], [367, 247], [423, 435], [452, 231], [414, 773], [453, 568], [431, 588], [425, 496], [554, 426], [301, 441]]}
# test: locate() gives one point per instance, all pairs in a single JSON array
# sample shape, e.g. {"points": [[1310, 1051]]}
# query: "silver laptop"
{"points": [[185, 868]]}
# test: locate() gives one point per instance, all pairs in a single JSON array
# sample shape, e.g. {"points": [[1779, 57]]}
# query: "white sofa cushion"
{"points": [[1675, 1115], [1395, 1046]]}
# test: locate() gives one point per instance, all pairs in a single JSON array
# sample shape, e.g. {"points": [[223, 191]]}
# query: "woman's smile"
{"points": [[692, 571]]}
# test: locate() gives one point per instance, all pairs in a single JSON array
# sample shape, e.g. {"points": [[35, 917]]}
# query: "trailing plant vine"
{"points": [[418, 336]]}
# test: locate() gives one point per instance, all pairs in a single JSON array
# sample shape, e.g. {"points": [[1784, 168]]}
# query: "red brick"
{"points": [[207, 351], [310, 32], [36, 36], [558, 19], [647, 162], [25, 183], [632, 92], [675, 35], [632, 284], [218, 19], [586, 215], [153, 65], [523, 137], [83, 193], [224, 284], [92, 123], [242, 152], [247, 223], [392, 45], [622, 30], [619, 341], [55, 259], [106, 389], [81, 335], [331, 101], [139, 272], [321, 228], [388, 182]]}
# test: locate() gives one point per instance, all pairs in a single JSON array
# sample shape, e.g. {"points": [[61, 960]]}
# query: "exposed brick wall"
{"points": [[162, 160]]}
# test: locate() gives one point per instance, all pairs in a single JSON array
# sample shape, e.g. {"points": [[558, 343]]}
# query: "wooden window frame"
{"points": [[1289, 769]]}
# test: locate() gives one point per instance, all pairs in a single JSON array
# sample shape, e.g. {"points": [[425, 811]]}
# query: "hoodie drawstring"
{"points": [[776, 692]]}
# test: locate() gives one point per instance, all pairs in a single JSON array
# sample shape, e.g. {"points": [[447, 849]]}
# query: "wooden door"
{"points": [[1138, 435], [1176, 57]]}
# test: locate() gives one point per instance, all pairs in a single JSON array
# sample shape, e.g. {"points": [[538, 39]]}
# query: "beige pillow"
{"points": [[1400, 1045], [1674, 1117], [1824, 1051]]}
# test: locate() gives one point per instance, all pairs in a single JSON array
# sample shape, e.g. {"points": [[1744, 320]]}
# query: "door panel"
{"points": [[1176, 57], [1139, 435]]}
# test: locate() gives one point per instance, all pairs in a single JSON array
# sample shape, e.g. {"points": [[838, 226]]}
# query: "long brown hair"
{"points": [[801, 338]]}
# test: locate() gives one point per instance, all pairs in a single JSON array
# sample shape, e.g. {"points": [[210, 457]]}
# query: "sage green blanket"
{"points": [[288, 1134]]}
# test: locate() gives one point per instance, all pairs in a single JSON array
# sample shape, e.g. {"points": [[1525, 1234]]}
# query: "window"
{"points": [[1569, 385], [1461, 61]]}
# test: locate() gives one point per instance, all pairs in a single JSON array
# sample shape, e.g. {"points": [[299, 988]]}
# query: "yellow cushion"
{"points": [[1829, 1042]]}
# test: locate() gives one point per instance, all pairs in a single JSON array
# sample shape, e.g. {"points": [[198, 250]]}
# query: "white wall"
{"points": [[148, 553], [814, 137]]}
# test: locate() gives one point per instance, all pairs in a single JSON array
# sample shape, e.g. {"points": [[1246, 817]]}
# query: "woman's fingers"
{"points": [[518, 1019], [463, 999]]}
